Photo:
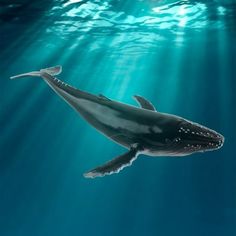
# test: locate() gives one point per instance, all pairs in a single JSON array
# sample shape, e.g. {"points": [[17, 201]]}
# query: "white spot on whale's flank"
{"points": [[156, 129]]}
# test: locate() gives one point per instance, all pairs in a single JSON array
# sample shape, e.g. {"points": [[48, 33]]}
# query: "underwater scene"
{"points": [[179, 56]]}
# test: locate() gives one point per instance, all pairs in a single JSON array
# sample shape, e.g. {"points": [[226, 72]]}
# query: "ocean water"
{"points": [[180, 55]]}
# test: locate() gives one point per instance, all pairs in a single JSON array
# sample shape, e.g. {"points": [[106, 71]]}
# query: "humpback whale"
{"points": [[142, 130]]}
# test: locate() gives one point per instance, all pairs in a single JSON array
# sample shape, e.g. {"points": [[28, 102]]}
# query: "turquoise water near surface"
{"points": [[180, 55]]}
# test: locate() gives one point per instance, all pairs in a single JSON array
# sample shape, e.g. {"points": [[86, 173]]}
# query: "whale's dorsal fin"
{"points": [[144, 103], [115, 165]]}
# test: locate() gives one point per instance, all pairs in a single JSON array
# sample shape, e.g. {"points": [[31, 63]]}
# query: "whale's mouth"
{"points": [[196, 138], [204, 144]]}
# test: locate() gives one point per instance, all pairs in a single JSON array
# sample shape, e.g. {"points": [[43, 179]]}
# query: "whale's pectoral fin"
{"points": [[144, 103], [115, 165]]}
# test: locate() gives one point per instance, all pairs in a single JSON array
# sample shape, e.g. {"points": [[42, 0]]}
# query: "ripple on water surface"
{"points": [[131, 22]]}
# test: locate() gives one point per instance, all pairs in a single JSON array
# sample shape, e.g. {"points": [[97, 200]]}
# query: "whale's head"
{"points": [[190, 137]]}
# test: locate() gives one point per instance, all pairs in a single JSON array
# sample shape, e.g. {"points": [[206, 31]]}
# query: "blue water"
{"points": [[181, 55]]}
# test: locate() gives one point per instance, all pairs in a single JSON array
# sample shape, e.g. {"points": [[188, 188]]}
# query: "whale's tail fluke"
{"points": [[56, 70]]}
